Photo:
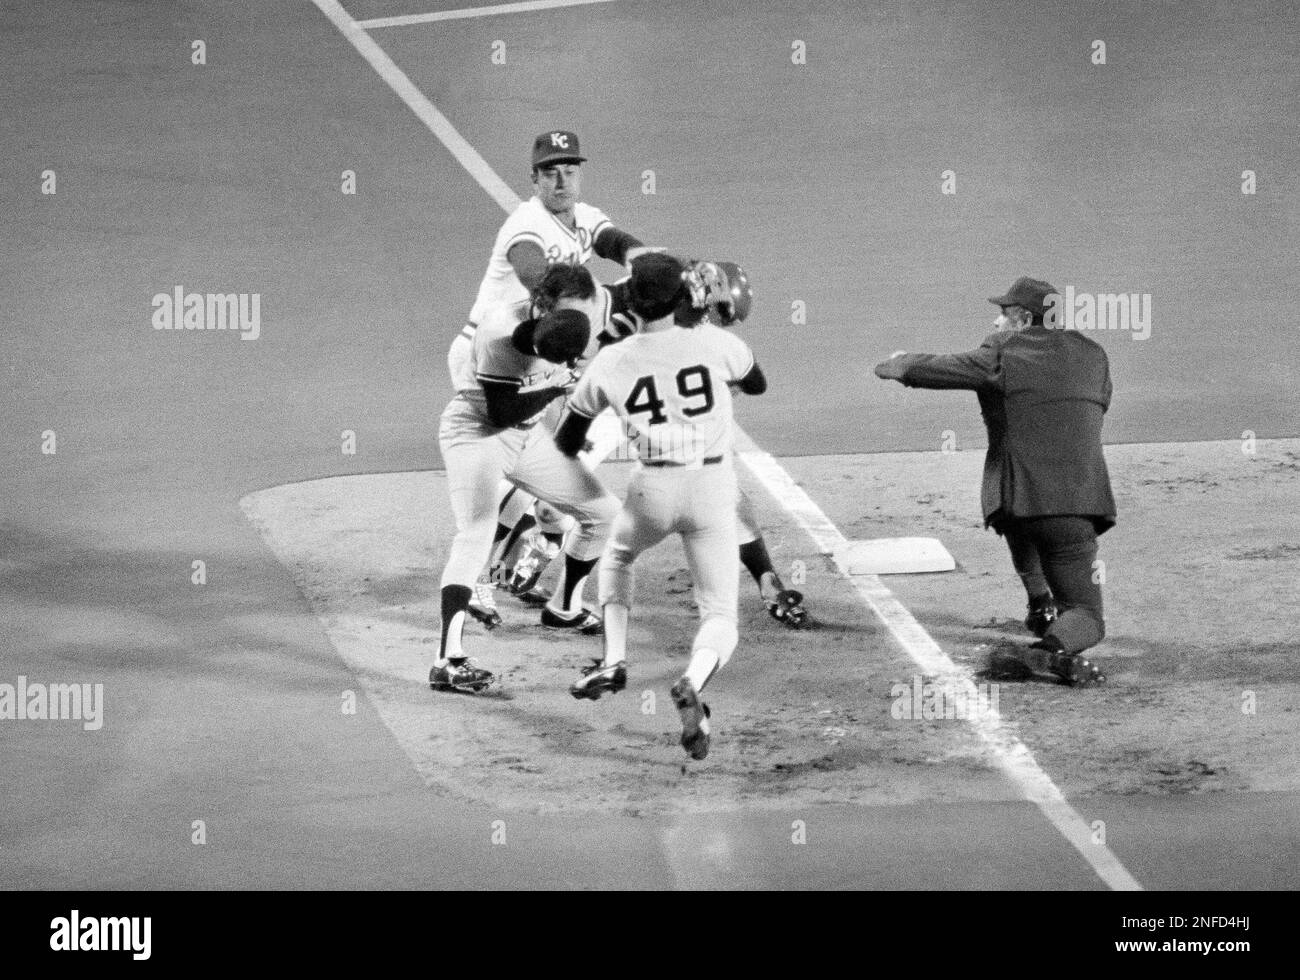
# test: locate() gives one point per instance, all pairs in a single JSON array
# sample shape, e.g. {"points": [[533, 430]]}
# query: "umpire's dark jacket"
{"points": [[1043, 393]]}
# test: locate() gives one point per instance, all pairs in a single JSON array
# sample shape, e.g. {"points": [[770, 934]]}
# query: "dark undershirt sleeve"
{"points": [[613, 243], [571, 436], [507, 406]]}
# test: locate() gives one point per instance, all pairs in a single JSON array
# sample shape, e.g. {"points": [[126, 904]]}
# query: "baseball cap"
{"points": [[555, 147], [1030, 293]]}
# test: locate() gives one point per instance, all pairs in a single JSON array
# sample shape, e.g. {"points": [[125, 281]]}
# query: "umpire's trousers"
{"points": [[1057, 553]]}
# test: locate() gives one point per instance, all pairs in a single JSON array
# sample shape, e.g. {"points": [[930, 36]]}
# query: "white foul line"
{"points": [[465, 154], [1013, 756], [500, 8]]}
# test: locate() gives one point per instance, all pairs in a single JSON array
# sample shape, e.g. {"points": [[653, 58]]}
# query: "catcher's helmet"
{"points": [[562, 336]]}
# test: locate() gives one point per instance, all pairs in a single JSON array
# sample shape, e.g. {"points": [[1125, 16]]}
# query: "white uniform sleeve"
{"points": [[494, 353], [737, 356], [593, 219], [589, 398], [521, 226]]}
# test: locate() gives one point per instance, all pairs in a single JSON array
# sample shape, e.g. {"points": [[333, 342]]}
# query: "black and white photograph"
{"points": [[653, 445]]}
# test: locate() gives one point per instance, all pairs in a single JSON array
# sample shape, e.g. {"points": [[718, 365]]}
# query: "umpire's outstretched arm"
{"points": [[977, 370]]}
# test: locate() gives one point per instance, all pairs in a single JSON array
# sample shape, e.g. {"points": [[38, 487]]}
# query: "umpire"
{"points": [[1043, 393]]}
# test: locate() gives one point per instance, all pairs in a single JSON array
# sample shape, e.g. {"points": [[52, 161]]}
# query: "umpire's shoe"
{"points": [[586, 622], [459, 675], [695, 718], [599, 679], [787, 608], [1042, 613], [1072, 668]]}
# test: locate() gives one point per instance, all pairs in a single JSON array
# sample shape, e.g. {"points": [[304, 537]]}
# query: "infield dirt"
{"points": [[1203, 692]]}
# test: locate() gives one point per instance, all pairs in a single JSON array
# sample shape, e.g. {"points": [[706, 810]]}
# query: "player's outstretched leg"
{"points": [[453, 671], [571, 488], [784, 605], [565, 609], [714, 644], [615, 593], [474, 467]]}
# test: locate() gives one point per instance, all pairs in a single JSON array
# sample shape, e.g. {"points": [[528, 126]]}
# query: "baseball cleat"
{"points": [[586, 622], [483, 604], [463, 676], [537, 555], [599, 679], [787, 608], [695, 718], [536, 597], [1075, 669], [1041, 616]]}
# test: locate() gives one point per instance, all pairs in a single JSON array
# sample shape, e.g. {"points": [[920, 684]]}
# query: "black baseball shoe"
{"points": [[1075, 669], [599, 679], [463, 677], [1042, 613], [695, 718], [787, 608], [586, 622], [535, 597]]}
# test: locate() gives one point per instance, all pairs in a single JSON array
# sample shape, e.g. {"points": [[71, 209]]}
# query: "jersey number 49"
{"points": [[692, 383]]}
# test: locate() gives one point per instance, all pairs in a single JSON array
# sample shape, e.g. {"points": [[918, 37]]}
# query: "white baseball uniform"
{"points": [[530, 222], [670, 387], [478, 454]]}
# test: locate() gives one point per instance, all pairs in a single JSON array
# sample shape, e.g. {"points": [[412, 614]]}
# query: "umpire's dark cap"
{"points": [[557, 146], [562, 336], [1029, 293]]}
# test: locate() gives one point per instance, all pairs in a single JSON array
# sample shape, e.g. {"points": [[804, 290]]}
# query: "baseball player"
{"points": [[550, 227], [722, 289], [490, 431], [671, 384]]}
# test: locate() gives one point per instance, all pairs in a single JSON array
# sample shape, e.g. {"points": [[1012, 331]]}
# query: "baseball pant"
{"points": [[477, 456], [1062, 550], [699, 505]]}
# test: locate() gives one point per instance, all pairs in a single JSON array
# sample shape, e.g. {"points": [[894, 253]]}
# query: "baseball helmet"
{"points": [[562, 336], [735, 306]]}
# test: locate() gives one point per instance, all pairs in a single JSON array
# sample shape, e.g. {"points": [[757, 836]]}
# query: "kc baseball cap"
{"points": [[1030, 293], [556, 146]]}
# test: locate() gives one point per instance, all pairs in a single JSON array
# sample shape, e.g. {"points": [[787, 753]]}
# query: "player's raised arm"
{"points": [[529, 262], [617, 245]]}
